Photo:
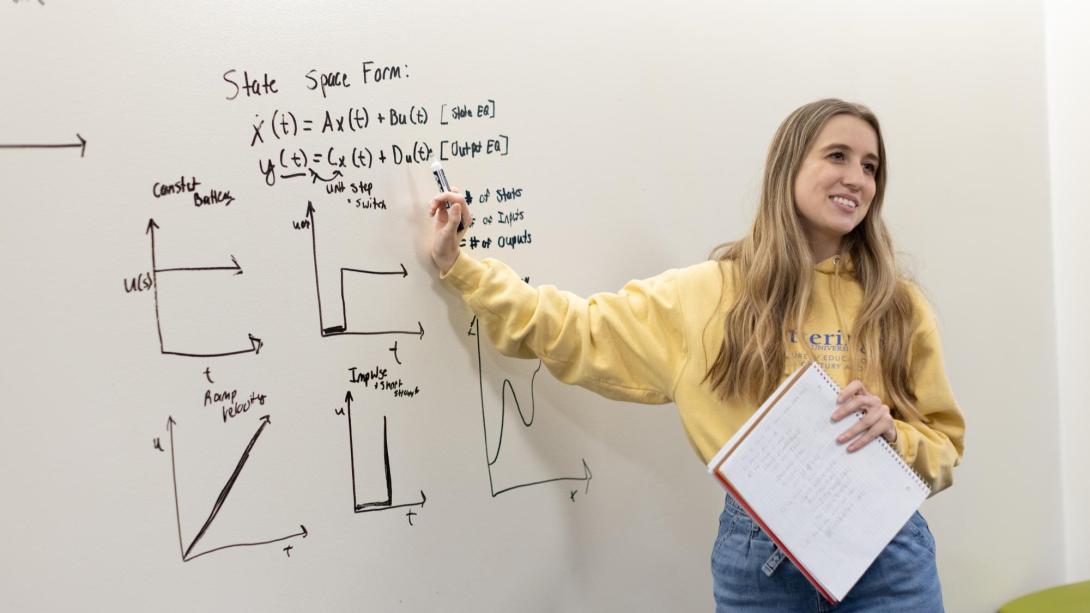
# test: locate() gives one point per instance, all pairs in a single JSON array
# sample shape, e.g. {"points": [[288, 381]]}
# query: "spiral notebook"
{"points": [[829, 511]]}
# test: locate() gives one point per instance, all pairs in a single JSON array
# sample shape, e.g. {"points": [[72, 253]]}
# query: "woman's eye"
{"points": [[839, 155], [870, 168]]}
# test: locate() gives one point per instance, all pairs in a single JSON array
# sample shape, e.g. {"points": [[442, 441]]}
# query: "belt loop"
{"points": [[773, 562]]}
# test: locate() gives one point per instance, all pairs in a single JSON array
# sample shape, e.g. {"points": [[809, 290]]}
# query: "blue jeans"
{"points": [[903, 577]]}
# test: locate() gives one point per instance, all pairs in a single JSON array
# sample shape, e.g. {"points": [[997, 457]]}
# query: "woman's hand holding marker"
{"points": [[449, 210]]}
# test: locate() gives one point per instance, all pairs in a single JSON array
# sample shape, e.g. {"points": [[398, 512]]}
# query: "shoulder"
{"points": [[923, 320], [700, 290], [700, 280], [691, 289]]}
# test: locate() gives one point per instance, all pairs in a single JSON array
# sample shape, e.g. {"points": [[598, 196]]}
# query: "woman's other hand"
{"points": [[876, 420]]}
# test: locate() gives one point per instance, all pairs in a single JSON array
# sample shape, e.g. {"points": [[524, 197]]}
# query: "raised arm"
{"points": [[627, 345]]}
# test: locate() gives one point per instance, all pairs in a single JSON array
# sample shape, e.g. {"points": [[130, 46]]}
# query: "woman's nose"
{"points": [[853, 178]]}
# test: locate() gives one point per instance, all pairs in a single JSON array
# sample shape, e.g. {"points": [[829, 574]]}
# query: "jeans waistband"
{"points": [[733, 505]]}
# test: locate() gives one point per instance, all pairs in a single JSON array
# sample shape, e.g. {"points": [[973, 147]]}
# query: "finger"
{"points": [[864, 424], [467, 216], [850, 390], [464, 218], [852, 405], [454, 217], [452, 197], [440, 214], [872, 433]]}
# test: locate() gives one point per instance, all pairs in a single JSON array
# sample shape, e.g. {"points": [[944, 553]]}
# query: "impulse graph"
{"points": [[386, 503]]}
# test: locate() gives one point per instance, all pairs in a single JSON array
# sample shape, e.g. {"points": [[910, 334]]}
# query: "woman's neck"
{"points": [[823, 250]]}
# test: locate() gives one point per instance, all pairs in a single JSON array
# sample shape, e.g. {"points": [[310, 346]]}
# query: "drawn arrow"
{"points": [[236, 267], [587, 476], [315, 177], [82, 144], [403, 272], [342, 330], [174, 479], [379, 505], [303, 533], [363, 508], [339, 331], [255, 343]]}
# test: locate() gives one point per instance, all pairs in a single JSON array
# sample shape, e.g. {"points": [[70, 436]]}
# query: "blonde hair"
{"points": [[777, 267]]}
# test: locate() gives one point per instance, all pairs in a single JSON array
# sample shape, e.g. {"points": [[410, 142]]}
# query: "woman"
{"points": [[815, 279]]}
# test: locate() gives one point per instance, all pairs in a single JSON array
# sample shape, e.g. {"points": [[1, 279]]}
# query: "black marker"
{"points": [[441, 179]]}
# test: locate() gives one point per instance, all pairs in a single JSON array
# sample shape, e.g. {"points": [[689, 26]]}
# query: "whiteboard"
{"points": [[231, 379]]}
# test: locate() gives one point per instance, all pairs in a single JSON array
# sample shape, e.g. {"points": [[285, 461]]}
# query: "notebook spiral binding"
{"points": [[881, 440]]}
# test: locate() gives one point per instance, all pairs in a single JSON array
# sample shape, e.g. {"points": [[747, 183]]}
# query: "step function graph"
{"points": [[493, 439], [249, 344], [197, 547], [333, 319]]}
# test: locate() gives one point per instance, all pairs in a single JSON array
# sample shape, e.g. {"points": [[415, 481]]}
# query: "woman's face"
{"points": [[835, 184]]}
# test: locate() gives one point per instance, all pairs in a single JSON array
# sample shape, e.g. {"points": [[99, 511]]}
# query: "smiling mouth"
{"points": [[844, 202]]}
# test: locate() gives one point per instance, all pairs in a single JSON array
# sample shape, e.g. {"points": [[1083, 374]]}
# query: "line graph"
{"points": [[187, 552], [375, 505], [328, 327], [509, 388], [254, 342]]}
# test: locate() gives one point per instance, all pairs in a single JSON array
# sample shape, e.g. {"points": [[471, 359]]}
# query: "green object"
{"points": [[1072, 598]]}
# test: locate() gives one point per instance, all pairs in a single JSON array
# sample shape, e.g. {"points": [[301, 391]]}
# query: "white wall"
{"points": [[1067, 24], [984, 256], [641, 133]]}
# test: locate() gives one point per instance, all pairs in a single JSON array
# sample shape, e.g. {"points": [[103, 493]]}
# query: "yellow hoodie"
{"points": [[654, 340]]}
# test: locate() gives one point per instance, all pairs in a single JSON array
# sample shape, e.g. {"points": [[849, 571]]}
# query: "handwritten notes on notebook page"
{"points": [[832, 511]]}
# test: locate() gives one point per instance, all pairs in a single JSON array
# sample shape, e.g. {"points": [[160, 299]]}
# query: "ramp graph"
{"points": [[187, 552]]}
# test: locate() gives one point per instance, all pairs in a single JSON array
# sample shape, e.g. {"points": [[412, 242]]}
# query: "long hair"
{"points": [[776, 269]]}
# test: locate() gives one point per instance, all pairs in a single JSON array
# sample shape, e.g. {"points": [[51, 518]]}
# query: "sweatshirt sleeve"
{"points": [[932, 449], [627, 345]]}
